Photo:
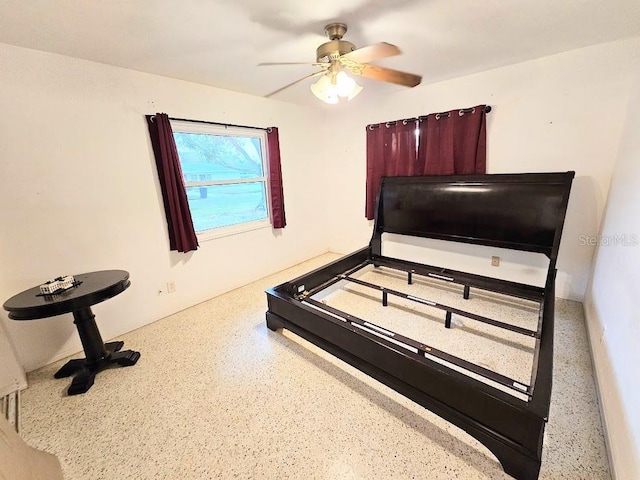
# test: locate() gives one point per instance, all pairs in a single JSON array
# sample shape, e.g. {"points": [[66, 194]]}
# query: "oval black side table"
{"points": [[93, 287]]}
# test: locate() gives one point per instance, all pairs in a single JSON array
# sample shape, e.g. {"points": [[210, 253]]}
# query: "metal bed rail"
{"points": [[422, 349]]}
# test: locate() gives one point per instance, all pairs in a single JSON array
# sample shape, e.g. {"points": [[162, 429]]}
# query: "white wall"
{"points": [[79, 193], [557, 113], [12, 375], [612, 313]]}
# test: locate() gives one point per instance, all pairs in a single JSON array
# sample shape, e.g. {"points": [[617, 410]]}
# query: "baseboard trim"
{"points": [[591, 320], [622, 448], [67, 352]]}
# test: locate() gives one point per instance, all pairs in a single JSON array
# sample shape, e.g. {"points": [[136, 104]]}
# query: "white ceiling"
{"points": [[220, 42]]}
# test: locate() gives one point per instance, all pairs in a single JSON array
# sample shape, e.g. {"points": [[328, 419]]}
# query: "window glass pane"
{"points": [[217, 157], [224, 205]]}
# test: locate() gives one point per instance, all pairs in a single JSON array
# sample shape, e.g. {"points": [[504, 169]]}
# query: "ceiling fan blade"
{"points": [[268, 64], [372, 52], [314, 74], [388, 75]]}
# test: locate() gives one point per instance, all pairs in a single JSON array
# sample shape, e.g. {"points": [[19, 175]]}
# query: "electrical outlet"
{"points": [[495, 261], [171, 287]]}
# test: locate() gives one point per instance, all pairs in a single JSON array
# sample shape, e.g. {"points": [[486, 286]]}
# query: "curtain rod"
{"points": [[267, 129], [461, 111]]}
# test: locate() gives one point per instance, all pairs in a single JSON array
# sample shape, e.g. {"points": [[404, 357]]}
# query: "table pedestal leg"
{"points": [[98, 355], [90, 336]]}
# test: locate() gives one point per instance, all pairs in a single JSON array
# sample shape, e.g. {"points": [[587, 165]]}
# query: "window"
{"points": [[225, 174]]}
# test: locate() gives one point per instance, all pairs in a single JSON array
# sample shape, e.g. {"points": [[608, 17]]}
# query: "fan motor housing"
{"points": [[332, 50]]}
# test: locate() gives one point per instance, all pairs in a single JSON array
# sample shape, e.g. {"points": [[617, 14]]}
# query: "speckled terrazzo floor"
{"points": [[217, 395]]}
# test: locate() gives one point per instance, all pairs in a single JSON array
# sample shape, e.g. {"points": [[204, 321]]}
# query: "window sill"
{"points": [[232, 230]]}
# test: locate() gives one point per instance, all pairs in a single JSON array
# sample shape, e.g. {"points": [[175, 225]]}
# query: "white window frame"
{"points": [[181, 126]]}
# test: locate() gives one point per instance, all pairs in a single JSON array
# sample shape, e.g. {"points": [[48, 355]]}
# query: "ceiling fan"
{"points": [[337, 58]]}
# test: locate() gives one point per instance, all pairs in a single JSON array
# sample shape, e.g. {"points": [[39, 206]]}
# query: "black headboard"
{"points": [[516, 211]]}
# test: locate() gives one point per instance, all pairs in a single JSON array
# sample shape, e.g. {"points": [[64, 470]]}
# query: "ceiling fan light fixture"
{"points": [[325, 90], [346, 86], [330, 88]]}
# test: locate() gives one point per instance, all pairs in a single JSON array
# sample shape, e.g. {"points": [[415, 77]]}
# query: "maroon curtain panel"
{"points": [[402, 155], [182, 236], [375, 166], [453, 143], [448, 143], [276, 191], [391, 152]]}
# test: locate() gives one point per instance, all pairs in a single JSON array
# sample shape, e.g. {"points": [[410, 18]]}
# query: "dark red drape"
{"points": [[276, 191], [453, 143], [182, 236], [391, 152], [448, 143]]}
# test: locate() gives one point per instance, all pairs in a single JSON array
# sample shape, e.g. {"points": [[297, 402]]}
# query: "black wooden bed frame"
{"points": [[523, 212]]}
